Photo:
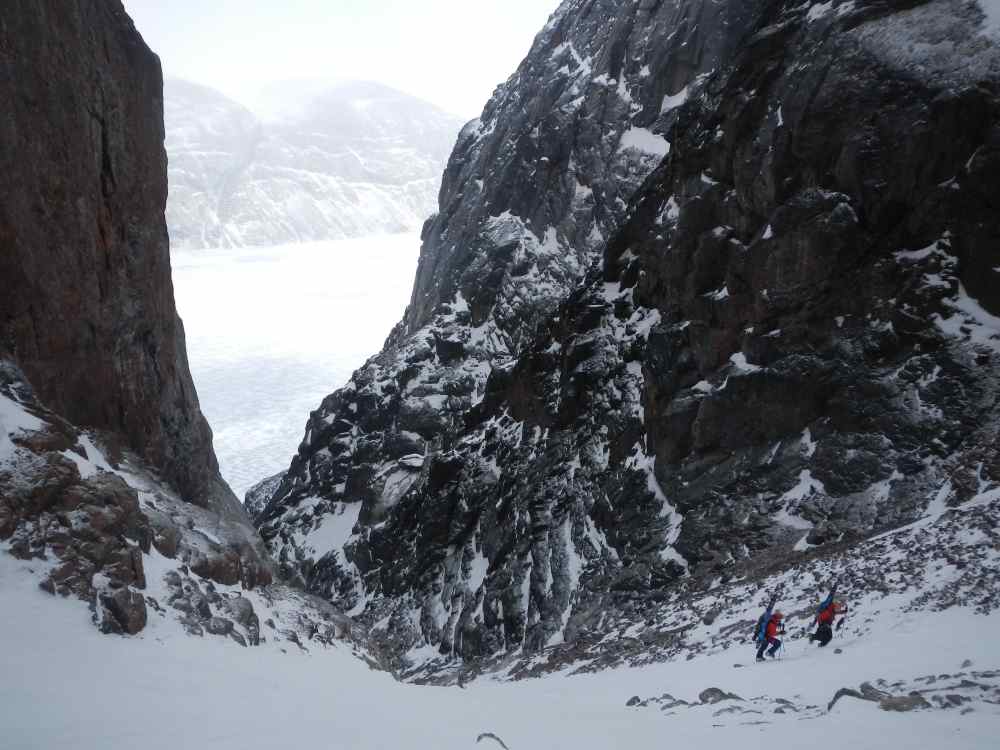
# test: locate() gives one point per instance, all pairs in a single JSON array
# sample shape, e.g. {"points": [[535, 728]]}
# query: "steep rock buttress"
{"points": [[713, 287], [104, 452], [531, 191]]}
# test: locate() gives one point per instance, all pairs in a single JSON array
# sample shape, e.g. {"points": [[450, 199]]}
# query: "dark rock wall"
{"points": [[531, 191], [832, 219], [792, 340], [551, 150], [87, 308]]}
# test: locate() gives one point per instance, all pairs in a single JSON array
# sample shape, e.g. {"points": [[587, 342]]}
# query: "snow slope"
{"points": [[923, 612], [66, 686], [14, 420]]}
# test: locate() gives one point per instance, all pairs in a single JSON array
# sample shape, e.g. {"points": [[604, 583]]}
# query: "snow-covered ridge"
{"points": [[350, 160]]}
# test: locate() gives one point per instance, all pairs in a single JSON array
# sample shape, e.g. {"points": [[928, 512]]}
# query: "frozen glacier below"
{"points": [[270, 331]]}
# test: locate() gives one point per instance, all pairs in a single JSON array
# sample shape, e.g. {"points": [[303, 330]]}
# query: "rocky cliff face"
{"points": [[530, 192], [104, 453], [352, 160], [712, 287], [88, 310]]}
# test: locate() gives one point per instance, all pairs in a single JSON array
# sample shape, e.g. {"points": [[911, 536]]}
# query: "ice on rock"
{"points": [[673, 101], [645, 141], [970, 321]]}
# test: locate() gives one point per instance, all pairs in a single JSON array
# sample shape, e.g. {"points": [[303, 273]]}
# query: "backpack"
{"points": [[765, 620], [825, 605], [760, 632], [759, 629]]}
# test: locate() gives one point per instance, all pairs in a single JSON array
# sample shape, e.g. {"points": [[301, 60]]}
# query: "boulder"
{"points": [[200, 605], [240, 609], [903, 703], [872, 693], [219, 626], [167, 541], [122, 611], [715, 695], [224, 567]]}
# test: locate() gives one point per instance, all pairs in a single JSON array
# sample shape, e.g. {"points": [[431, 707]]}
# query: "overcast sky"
{"points": [[450, 52]]}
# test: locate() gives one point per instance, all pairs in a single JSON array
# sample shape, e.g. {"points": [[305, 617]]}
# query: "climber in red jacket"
{"points": [[775, 627], [825, 616]]}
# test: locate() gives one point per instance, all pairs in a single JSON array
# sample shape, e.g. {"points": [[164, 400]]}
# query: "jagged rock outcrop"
{"points": [[352, 160], [790, 340], [531, 191], [93, 522], [958, 691], [104, 452], [260, 494]]}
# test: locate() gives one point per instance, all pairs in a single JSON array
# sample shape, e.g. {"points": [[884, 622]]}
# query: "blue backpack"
{"points": [[762, 623]]}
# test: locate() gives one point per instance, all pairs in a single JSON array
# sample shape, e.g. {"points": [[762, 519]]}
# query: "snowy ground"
{"points": [[271, 331], [64, 685]]}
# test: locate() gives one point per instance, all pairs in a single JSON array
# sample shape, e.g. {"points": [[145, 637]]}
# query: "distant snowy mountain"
{"points": [[354, 159]]}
